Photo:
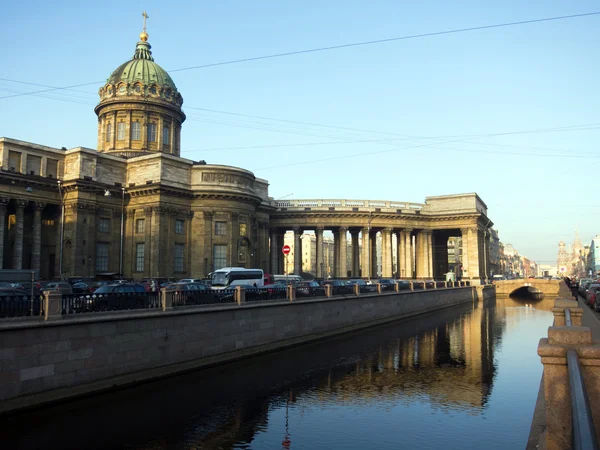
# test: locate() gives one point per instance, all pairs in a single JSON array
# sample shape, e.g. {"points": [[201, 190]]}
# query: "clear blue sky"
{"points": [[539, 187]]}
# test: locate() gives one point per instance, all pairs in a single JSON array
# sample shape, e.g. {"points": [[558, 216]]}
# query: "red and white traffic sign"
{"points": [[286, 249]]}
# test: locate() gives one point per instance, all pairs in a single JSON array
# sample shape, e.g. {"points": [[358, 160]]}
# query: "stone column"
{"points": [[336, 253], [386, 253], [400, 257], [235, 239], [465, 253], [355, 254], [343, 257], [36, 252], [374, 254], [3, 204], [420, 253], [18, 248], [274, 251], [408, 253], [319, 250], [429, 256], [297, 251], [281, 258], [474, 257], [366, 260]]}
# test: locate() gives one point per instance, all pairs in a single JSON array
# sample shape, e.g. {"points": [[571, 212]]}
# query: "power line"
{"points": [[341, 46], [380, 41]]}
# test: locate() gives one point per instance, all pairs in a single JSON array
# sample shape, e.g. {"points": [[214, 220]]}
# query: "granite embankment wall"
{"points": [[44, 361]]}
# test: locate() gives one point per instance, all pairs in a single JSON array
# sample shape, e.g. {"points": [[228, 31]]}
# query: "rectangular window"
{"points": [[101, 257], [151, 132], [179, 226], [221, 228], [166, 135], [135, 131], [219, 256], [108, 132], [103, 225], [140, 225], [121, 131], [179, 251], [139, 257], [243, 229]]}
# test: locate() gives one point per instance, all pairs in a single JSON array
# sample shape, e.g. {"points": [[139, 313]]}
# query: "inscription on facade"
{"points": [[212, 177]]}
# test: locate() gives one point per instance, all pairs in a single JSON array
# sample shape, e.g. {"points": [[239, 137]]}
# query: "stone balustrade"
{"points": [[348, 205]]}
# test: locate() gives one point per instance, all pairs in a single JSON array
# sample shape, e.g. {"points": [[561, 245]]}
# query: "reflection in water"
{"points": [[425, 382]]}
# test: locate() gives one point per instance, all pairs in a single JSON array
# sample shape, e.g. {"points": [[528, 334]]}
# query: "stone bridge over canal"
{"points": [[550, 288]]}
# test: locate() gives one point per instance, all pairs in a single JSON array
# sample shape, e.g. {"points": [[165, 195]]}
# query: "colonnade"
{"points": [[417, 253], [17, 260]]}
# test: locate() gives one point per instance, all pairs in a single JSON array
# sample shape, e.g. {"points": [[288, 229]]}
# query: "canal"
{"points": [[461, 378]]}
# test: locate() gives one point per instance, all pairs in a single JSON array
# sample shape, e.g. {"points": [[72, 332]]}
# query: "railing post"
{"points": [[328, 290], [396, 287], [166, 298], [356, 288], [379, 288], [553, 352], [52, 305], [412, 286], [424, 285], [291, 292], [434, 284], [240, 295], [559, 312], [445, 284]]}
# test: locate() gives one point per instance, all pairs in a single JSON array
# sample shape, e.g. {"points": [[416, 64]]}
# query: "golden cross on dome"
{"points": [[145, 16]]}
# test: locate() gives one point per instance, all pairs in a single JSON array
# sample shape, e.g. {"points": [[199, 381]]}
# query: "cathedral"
{"points": [[133, 206], [572, 261]]}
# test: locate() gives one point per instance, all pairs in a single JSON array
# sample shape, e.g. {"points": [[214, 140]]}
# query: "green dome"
{"points": [[142, 68]]}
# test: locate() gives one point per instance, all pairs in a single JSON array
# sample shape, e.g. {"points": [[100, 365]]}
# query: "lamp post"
{"points": [[62, 229], [122, 232]]}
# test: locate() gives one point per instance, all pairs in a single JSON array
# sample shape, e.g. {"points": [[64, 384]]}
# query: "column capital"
{"points": [[4, 202], [21, 204], [148, 211], [208, 215], [364, 230], [131, 212], [464, 230], [39, 206], [297, 230], [388, 229], [344, 229], [408, 230], [320, 229]]}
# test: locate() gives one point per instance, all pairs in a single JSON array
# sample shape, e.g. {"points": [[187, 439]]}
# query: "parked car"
{"points": [[309, 289], [590, 294], [387, 284], [403, 285], [190, 280], [583, 285], [83, 288], [61, 287], [363, 285], [587, 288]]}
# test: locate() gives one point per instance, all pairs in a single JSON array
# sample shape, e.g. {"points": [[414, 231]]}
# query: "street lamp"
{"points": [[62, 229]]}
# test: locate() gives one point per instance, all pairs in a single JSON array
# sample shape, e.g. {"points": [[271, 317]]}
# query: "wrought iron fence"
{"points": [[201, 297], [21, 305], [81, 303], [264, 294], [310, 291]]}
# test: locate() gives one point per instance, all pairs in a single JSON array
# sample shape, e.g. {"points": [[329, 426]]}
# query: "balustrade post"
{"points": [[379, 290], [166, 298], [328, 290], [291, 292], [52, 305], [412, 286], [424, 285], [356, 288], [240, 295], [559, 312], [396, 287]]}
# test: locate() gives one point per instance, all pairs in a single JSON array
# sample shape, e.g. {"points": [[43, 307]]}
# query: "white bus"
{"points": [[230, 277]]}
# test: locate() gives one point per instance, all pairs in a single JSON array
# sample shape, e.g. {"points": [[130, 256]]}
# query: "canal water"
{"points": [[460, 378]]}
